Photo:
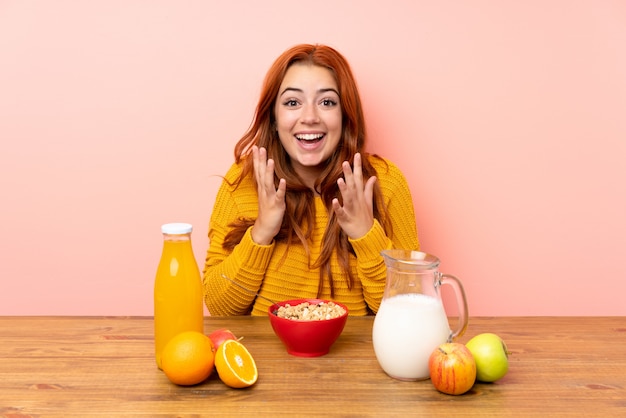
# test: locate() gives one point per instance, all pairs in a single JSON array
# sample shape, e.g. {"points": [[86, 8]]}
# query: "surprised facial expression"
{"points": [[308, 117]]}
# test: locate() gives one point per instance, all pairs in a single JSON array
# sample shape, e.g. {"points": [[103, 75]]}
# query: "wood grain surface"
{"points": [[104, 366]]}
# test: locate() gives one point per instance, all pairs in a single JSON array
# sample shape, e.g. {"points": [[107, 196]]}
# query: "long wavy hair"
{"points": [[299, 219]]}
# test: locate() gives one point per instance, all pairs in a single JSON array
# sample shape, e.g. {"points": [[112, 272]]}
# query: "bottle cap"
{"points": [[176, 228]]}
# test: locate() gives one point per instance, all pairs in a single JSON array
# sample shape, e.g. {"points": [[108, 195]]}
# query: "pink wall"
{"points": [[507, 118]]}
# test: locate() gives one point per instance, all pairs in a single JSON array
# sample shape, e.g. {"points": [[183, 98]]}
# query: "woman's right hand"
{"points": [[271, 200]]}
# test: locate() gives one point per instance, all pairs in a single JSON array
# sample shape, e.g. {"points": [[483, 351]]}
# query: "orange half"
{"points": [[235, 365]]}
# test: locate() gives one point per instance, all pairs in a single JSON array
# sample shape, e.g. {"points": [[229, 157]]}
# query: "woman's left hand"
{"points": [[356, 216]]}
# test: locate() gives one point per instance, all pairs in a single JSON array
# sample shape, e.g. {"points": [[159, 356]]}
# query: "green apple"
{"points": [[491, 356]]}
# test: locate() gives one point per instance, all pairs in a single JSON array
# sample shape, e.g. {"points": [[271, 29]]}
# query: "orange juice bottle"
{"points": [[177, 288]]}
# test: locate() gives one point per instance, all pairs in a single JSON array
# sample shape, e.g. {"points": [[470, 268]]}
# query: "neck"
{"points": [[309, 175]]}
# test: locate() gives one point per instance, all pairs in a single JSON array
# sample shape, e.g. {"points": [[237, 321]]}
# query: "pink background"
{"points": [[507, 117]]}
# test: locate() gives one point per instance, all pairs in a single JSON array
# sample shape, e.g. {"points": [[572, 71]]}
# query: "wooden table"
{"points": [[104, 366]]}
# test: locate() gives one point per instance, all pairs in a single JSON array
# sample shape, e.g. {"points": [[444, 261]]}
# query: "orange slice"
{"points": [[235, 365]]}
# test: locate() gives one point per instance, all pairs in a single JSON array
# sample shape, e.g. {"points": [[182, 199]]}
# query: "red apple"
{"points": [[220, 335], [452, 368]]}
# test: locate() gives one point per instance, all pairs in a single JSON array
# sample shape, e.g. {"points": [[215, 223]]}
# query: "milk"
{"points": [[407, 328]]}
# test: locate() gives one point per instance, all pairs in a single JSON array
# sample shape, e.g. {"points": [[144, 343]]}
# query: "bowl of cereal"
{"points": [[308, 327]]}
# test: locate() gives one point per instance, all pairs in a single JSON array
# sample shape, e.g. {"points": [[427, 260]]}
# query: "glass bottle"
{"points": [[177, 288]]}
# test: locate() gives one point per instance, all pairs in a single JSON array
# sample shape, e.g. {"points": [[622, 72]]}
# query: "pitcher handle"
{"points": [[461, 302]]}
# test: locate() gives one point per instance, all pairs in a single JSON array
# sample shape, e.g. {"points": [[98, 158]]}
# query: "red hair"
{"points": [[299, 216]]}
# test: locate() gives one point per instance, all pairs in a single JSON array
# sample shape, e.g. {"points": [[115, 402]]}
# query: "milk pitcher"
{"points": [[411, 321]]}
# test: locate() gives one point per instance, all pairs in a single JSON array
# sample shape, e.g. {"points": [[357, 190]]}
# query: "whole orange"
{"points": [[188, 358]]}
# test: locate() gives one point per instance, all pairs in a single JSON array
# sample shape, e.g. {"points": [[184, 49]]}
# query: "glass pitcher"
{"points": [[411, 321]]}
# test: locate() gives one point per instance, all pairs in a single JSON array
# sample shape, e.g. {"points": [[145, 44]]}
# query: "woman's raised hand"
{"points": [[271, 200], [356, 216]]}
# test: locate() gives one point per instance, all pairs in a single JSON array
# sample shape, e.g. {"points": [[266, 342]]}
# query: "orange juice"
{"points": [[177, 288]]}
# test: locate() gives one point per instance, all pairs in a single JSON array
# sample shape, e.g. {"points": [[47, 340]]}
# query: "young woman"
{"points": [[304, 211]]}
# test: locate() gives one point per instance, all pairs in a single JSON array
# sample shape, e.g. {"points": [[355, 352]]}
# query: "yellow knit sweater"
{"points": [[259, 268]]}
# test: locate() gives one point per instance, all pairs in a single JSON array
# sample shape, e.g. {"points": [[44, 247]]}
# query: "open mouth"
{"points": [[310, 138]]}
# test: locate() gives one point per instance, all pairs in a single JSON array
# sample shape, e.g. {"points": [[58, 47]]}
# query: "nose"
{"points": [[310, 115]]}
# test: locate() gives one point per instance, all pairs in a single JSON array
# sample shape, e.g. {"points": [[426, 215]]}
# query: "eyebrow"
{"points": [[325, 90]]}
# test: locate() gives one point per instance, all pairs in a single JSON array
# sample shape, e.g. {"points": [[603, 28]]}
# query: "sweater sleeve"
{"points": [[245, 264], [371, 267]]}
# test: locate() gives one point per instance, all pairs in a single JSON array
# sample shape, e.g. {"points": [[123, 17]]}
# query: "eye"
{"points": [[290, 103], [329, 102]]}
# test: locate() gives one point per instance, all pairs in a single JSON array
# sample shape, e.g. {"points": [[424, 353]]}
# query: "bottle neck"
{"points": [[176, 237]]}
